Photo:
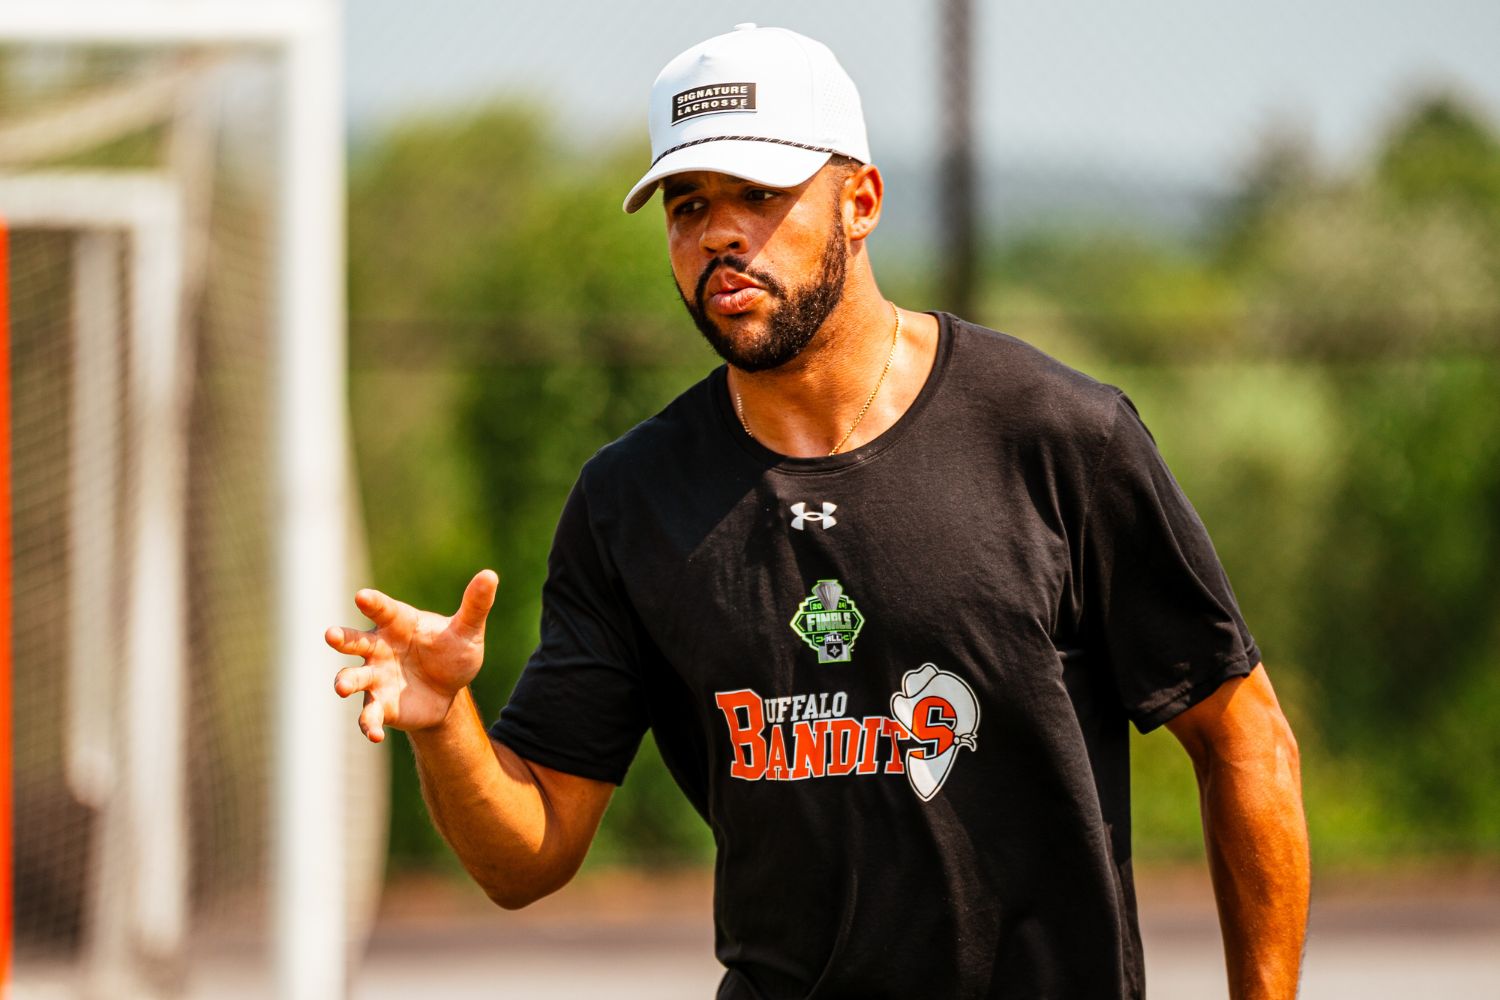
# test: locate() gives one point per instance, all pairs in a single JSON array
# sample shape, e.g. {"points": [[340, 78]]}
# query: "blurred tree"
{"points": [[1442, 152], [1404, 260], [1344, 449], [1122, 295], [1396, 275], [423, 196], [1282, 166], [1336, 427], [530, 321]]}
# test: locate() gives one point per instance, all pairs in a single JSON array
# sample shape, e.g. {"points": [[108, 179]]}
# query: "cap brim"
{"points": [[773, 164]]}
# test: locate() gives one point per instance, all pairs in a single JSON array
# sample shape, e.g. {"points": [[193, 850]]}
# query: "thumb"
{"points": [[479, 597]]}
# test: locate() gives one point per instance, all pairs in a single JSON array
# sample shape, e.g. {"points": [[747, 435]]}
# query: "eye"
{"points": [[687, 206], [760, 194]]}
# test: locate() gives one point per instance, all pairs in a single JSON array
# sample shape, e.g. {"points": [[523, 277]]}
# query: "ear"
{"points": [[863, 194]]}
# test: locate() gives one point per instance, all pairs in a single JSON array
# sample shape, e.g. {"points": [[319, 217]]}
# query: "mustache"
{"points": [[742, 266]]}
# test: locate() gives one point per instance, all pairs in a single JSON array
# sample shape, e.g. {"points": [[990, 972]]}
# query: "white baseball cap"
{"points": [[764, 104]]}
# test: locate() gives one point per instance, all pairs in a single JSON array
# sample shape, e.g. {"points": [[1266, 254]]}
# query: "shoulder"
{"points": [[1028, 392], [659, 449]]}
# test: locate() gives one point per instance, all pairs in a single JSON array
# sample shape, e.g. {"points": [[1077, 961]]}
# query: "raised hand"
{"points": [[416, 661]]}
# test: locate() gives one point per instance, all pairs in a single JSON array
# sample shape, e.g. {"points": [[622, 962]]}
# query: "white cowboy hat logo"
{"points": [[941, 713]]}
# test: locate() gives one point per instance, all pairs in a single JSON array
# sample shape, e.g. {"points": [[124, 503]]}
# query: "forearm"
{"points": [[490, 807], [1256, 837]]}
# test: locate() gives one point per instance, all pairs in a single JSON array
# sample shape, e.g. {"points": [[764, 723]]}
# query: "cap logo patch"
{"points": [[719, 98]]}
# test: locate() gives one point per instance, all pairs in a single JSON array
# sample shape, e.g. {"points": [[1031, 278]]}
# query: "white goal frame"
{"points": [[140, 854], [312, 497]]}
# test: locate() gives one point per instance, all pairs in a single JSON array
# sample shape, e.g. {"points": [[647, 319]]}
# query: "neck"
{"points": [[805, 407]]}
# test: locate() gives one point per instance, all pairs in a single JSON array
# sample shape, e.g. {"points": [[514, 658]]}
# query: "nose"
{"points": [[722, 231]]}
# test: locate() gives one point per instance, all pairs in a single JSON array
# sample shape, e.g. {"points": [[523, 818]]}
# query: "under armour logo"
{"points": [[826, 519]]}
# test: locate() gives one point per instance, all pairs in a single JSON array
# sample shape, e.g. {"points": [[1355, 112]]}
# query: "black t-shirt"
{"points": [[895, 682]]}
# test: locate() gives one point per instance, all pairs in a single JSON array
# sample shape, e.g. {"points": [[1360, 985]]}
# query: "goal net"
{"points": [[139, 189]]}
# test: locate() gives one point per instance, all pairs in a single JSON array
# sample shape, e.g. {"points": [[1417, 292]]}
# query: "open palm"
{"points": [[415, 662]]}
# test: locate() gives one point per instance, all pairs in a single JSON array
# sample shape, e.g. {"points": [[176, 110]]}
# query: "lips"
{"points": [[730, 303], [732, 292]]}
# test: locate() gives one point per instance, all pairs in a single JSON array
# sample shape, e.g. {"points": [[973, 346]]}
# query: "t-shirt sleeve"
{"points": [[578, 706], [1154, 593]]}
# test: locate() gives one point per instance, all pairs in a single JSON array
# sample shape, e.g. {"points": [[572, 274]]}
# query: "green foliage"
{"points": [[422, 513], [1321, 374], [1281, 169], [1355, 508], [1124, 296], [1442, 153], [1335, 424], [1405, 259], [423, 198], [537, 322]]}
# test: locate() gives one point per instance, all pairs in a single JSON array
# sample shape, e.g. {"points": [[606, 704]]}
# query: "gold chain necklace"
{"points": [[739, 405]]}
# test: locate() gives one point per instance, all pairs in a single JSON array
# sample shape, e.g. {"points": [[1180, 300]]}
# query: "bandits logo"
{"points": [[828, 621], [933, 717], [941, 712]]}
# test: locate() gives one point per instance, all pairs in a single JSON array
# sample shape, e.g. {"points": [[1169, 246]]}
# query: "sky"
{"points": [[1174, 89]]}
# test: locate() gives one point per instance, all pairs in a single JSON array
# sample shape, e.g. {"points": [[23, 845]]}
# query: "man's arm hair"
{"points": [[1250, 793], [520, 829]]}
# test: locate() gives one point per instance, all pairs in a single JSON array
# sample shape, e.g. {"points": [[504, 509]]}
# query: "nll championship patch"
{"points": [[828, 621]]}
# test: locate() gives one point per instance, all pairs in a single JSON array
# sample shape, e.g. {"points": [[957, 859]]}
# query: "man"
{"points": [[887, 587]]}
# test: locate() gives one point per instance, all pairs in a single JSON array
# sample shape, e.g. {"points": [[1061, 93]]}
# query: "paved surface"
{"points": [[1402, 939], [636, 937]]}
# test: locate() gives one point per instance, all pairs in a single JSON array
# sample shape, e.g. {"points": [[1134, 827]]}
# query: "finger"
{"points": [[372, 719], [350, 640], [352, 679], [479, 597], [377, 607]]}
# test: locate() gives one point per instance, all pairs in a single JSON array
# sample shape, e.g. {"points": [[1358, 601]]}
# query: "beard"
{"points": [[796, 318]]}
